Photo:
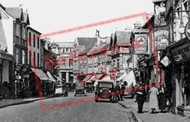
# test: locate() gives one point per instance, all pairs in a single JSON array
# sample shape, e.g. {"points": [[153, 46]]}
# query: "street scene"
{"points": [[129, 66]]}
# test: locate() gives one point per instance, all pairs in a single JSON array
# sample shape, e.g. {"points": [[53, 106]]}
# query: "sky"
{"points": [[49, 16]]}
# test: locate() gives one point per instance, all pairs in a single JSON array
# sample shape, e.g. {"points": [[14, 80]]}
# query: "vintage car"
{"points": [[60, 90], [79, 89], [104, 90]]}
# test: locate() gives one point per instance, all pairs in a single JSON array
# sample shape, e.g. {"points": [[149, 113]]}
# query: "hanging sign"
{"points": [[140, 43], [161, 38], [187, 30]]}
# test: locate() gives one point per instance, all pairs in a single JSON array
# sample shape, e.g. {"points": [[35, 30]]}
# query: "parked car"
{"points": [[60, 89], [104, 90]]}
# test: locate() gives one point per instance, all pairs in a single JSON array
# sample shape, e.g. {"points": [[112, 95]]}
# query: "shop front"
{"points": [[6, 75], [39, 82], [180, 53]]}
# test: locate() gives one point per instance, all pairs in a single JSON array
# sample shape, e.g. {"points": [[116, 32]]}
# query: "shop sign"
{"points": [[187, 30], [161, 38], [140, 43], [181, 53], [165, 61], [159, 16]]}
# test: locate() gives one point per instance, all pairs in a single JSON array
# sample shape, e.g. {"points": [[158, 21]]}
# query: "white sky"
{"points": [[47, 16]]}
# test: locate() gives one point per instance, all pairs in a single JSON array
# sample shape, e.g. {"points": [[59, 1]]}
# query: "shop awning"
{"points": [[58, 79], [51, 76], [96, 77], [40, 74], [87, 78]]}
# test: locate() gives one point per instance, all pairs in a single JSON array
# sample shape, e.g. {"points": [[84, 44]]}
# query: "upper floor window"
{"points": [[38, 42], [29, 39], [34, 40], [23, 57], [17, 30], [17, 55]]}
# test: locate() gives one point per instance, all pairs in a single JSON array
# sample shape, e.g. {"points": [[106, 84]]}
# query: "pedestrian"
{"points": [[140, 97], [118, 90], [153, 98], [162, 98]]}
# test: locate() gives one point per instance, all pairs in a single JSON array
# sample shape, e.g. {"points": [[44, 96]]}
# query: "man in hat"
{"points": [[141, 95]]}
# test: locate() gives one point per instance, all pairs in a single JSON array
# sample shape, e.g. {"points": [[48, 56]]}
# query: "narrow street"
{"points": [[90, 111]]}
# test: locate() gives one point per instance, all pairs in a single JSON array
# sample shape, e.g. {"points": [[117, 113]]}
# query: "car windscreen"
{"points": [[107, 85]]}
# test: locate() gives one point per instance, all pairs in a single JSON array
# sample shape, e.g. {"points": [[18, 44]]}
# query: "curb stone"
{"points": [[138, 118], [25, 101]]}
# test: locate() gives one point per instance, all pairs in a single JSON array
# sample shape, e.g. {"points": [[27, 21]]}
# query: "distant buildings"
{"points": [[64, 59]]}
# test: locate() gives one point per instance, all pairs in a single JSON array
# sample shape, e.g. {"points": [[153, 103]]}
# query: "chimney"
{"points": [[98, 37], [137, 25]]}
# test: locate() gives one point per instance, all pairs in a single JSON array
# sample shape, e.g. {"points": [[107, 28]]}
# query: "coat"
{"points": [[162, 98], [153, 99]]}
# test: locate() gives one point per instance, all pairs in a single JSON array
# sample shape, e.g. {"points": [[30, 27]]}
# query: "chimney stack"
{"points": [[137, 25]]}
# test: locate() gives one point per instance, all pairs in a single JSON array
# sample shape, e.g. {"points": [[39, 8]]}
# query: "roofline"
{"points": [[3, 7], [29, 27]]}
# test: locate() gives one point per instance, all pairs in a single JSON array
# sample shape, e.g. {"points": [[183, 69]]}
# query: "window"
{"points": [[17, 55], [16, 39], [33, 60], [17, 30], [30, 55], [23, 57], [38, 42], [38, 59], [29, 39], [23, 33], [34, 40]]}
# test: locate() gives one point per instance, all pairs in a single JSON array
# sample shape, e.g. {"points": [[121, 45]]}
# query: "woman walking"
{"points": [[162, 98], [153, 99]]}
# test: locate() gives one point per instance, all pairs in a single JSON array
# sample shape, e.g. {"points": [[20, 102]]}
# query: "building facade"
{"points": [[64, 59]]}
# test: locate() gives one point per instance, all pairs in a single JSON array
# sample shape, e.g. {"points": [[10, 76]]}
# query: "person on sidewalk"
{"points": [[140, 97], [162, 98], [153, 98], [118, 90]]}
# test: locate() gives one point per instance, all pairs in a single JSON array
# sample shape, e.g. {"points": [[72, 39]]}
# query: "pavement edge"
{"points": [[138, 118]]}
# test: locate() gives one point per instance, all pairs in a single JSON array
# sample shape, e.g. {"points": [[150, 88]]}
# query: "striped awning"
{"points": [[51, 76], [41, 75], [87, 78]]}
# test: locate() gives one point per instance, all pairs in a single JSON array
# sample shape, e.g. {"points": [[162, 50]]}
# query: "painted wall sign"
{"points": [[160, 9], [161, 38], [187, 30], [141, 43]]}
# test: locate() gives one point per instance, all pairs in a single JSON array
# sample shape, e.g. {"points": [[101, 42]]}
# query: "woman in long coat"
{"points": [[162, 98], [153, 99]]}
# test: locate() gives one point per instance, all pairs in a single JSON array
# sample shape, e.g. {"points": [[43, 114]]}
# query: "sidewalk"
{"points": [[157, 117], [18, 101]]}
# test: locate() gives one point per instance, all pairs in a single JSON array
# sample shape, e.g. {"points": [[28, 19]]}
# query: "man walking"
{"points": [[140, 97]]}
